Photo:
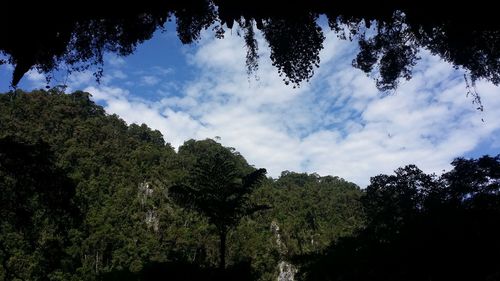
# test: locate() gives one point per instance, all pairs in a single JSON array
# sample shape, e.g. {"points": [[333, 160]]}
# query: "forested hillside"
{"points": [[422, 227], [84, 196]]}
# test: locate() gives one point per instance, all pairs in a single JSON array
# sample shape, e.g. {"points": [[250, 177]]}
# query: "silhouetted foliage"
{"points": [[77, 35], [37, 212], [421, 227], [176, 271]]}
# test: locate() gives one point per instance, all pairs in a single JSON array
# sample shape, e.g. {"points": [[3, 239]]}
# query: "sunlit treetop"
{"points": [[45, 35]]}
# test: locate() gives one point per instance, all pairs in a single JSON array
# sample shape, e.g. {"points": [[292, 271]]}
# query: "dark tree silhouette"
{"points": [[48, 34], [36, 211], [421, 227], [217, 190]]}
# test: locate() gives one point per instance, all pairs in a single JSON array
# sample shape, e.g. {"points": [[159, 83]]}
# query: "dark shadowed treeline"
{"points": [[37, 211], [422, 227], [84, 196]]}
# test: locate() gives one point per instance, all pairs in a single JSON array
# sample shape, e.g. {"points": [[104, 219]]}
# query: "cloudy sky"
{"points": [[337, 124]]}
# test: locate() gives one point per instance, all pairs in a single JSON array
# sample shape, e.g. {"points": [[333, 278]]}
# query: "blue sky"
{"points": [[336, 124]]}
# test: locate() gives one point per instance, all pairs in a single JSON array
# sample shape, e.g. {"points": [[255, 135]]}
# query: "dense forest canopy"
{"points": [[49, 34], [84, 196], [422, 227]]}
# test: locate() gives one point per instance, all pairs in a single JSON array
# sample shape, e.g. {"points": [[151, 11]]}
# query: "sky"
{"points": [[336, 124]]}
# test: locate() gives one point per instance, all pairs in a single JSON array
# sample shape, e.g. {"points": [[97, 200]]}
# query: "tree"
{"points": [[37, 211], [54, 144], [421, 227], [106, 160], [216, 189], [313, 211], [467, 36]]}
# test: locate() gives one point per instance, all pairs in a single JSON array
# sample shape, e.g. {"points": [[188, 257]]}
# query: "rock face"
{"points": [[144, 191], [275, 228], [286, 270], [152, 219]]}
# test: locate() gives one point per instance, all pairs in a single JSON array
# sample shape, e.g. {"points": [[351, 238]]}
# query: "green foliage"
{"points": [[421, 227], [312, 211], [84, 196], [218, 190], [107, 160], [37, 211]]}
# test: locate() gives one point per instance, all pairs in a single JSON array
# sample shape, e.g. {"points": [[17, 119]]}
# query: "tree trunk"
{"points": [[222, 250]]}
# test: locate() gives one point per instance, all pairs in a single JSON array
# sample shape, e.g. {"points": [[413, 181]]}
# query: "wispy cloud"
{"points": [[337, 124], [118, 74], [162, 71], [150, 80], [115, 61], [36, 79]]}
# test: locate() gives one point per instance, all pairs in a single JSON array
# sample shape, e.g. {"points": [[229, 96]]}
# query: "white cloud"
{"points": [[164, 71], [118, 74], [337, 124], [36, 79], [115, 61], [107, 94], [81, 78], [150, 80]]}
